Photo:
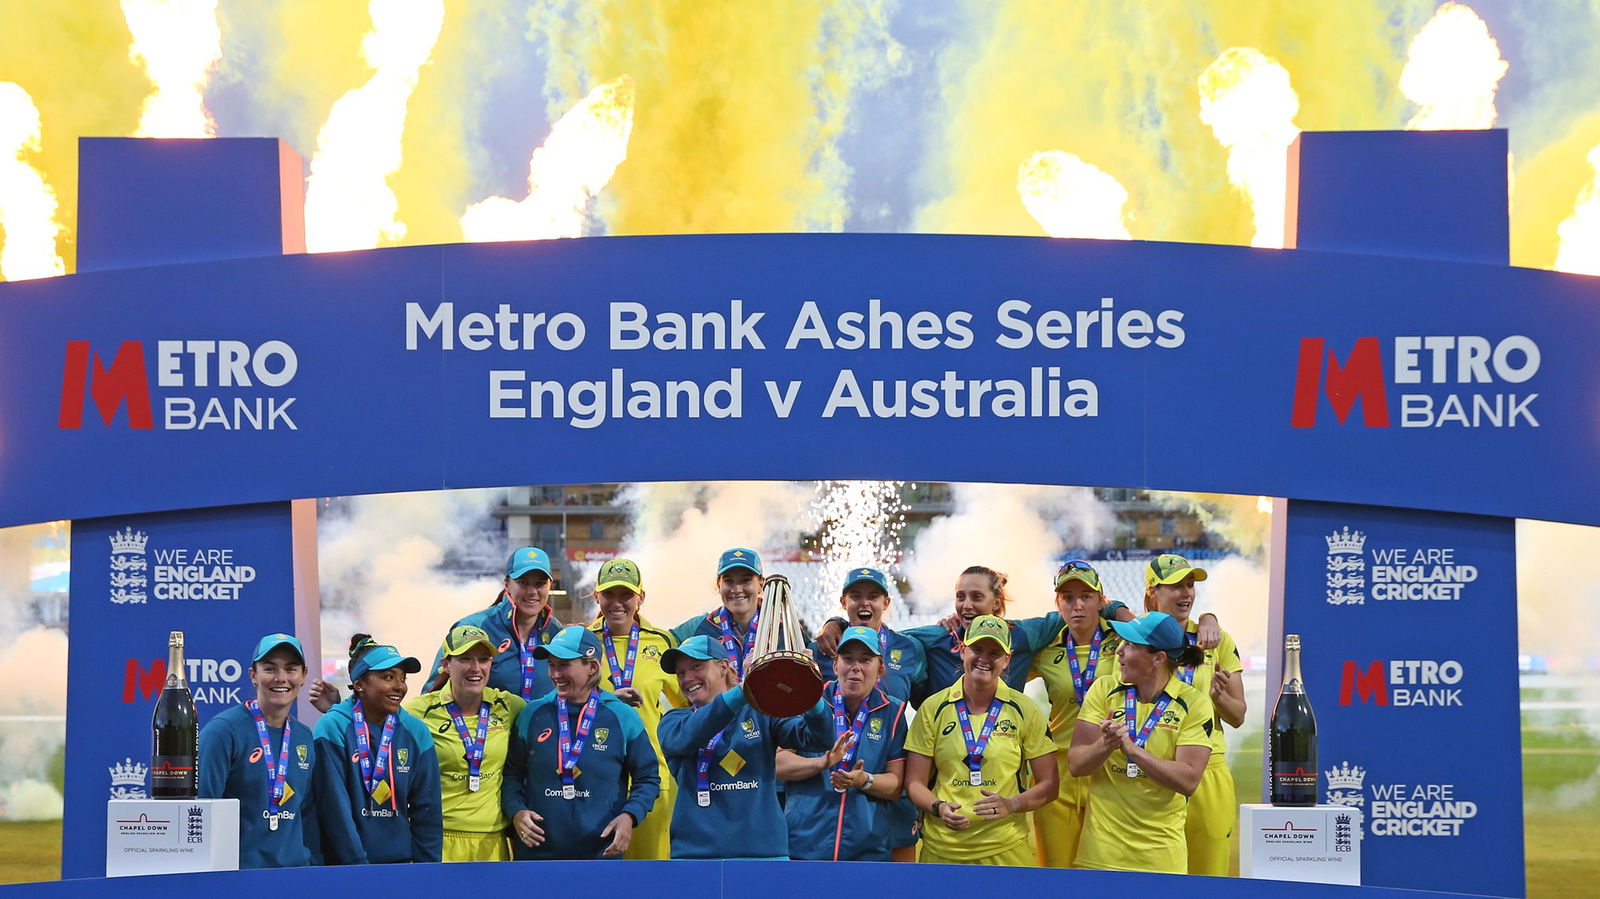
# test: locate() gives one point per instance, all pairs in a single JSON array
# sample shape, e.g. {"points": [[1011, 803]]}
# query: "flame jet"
{"points": [[1579, 251], [27, 204], [568, 170], [1453, 69], [349, 204], [1246, 98], [1072, 198], [179, 44]]}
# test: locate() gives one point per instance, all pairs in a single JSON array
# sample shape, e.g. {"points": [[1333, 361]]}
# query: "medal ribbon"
{"points": [[568, 749], [275, 782], [525, 648], [839, 727], [1186, 673], [621, 677], [474, 748], [1131, 715], [372, 774], [702, 768], [976, 747], [1081, 680], [736, 651]]}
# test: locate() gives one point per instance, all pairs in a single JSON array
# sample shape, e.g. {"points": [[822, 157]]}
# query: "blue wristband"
{"points": [[734, 697]]}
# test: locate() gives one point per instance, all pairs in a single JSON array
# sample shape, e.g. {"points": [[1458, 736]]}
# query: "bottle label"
{"points": [[1293, 775], [172, 772]]}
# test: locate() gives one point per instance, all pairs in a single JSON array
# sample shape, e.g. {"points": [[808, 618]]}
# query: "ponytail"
{"points": [[360, 645], [1190, 655]]}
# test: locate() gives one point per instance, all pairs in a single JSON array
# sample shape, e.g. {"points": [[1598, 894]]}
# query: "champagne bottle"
{"points": [[175, 732], [1292, 742]]}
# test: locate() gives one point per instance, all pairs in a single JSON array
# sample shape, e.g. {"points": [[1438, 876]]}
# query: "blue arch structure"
{"points": [[230, 380]]}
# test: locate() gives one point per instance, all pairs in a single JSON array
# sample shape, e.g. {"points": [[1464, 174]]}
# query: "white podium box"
{"points": [[1313, 844], [171, 836]]}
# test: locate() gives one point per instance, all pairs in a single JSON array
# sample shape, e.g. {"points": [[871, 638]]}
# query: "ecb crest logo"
{"points": [[129, 567], [127, 780], [1345, 785], [1347, 568]]}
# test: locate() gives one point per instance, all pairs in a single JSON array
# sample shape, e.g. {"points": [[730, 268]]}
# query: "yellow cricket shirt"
{"points": [[1020, 735], [1051, 663], [465, 810], [1226, 657], [659, 689], [1134, 824]]}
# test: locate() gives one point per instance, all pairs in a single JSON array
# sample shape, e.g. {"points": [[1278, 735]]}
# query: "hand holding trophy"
{"points": [[782, 680]]}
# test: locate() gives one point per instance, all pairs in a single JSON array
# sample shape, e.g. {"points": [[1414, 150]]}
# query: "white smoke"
{"points": [[677, 531], [33, 666], [1016, 529], [380, 575]]}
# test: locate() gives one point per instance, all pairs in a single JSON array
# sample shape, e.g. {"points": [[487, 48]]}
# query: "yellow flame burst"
{"points": [[1580, 232], [1246, 98], [1072, 198], [179, 43], [565, 173], [349, 204], [27, 204], [1453, 69]]}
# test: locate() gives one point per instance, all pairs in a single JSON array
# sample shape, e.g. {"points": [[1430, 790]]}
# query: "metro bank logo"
{"points": [[222, 368], [1461, 362]]}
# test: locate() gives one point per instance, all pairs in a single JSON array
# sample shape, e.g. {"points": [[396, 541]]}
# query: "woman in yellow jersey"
{"points": [[970, 755], [470, 723], [1169, 587], [632, 670], [1143, 738], [1083, 653]]}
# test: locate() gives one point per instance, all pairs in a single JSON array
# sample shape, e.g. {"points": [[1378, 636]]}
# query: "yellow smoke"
{"points": [[1580, 232], [349, 204], [1117, 82], [565, 173], [1246, 98], [739, 105], [1453, 69], [1072, 198], [27, 204], [179, 43], [72, 58], [1549, 185]]}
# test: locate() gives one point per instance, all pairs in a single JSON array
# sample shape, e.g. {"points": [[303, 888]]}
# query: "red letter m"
{"points": [[147, 683], [1361, 377], [1369, 687], [124, 380]]}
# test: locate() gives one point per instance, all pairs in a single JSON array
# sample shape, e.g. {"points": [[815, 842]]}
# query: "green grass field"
{"points": [[1560, 775]]}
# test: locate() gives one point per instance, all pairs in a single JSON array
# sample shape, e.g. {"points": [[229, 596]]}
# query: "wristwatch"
{"points": [[868, 785]]}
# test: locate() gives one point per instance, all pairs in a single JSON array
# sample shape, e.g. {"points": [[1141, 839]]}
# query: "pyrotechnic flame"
{"points": [[565, 173], [1580, 233], [179, 44], [27, 204], [349, 205], [1072, 198], [861, 523], [1453, 69], [1246, 98]]}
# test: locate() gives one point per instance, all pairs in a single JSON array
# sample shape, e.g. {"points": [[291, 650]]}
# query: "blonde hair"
{"points": [[997, 585]]}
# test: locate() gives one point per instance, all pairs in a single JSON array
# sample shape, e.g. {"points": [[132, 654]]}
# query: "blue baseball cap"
{"points": [[382, 658], [739, 557], [273, 641], [526, 559], [1157, 630], [699, 647], [866, 636], [571, 642], [857, 575]]}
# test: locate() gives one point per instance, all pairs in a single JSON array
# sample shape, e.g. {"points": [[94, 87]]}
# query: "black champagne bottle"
{"points": [[175, 732], [1292, 742]]}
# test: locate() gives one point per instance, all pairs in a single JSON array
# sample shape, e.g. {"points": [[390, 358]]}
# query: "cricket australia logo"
{"points": [[129, 567], [127, 780], [1345, 785], [1347, 568]]}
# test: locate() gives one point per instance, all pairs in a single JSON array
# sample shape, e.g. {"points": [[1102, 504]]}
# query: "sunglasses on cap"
{"points": [[1082, 569]]}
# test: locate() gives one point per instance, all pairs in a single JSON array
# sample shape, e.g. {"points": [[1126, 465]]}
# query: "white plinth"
{"points": [[171, 836], [1316, 844]]}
